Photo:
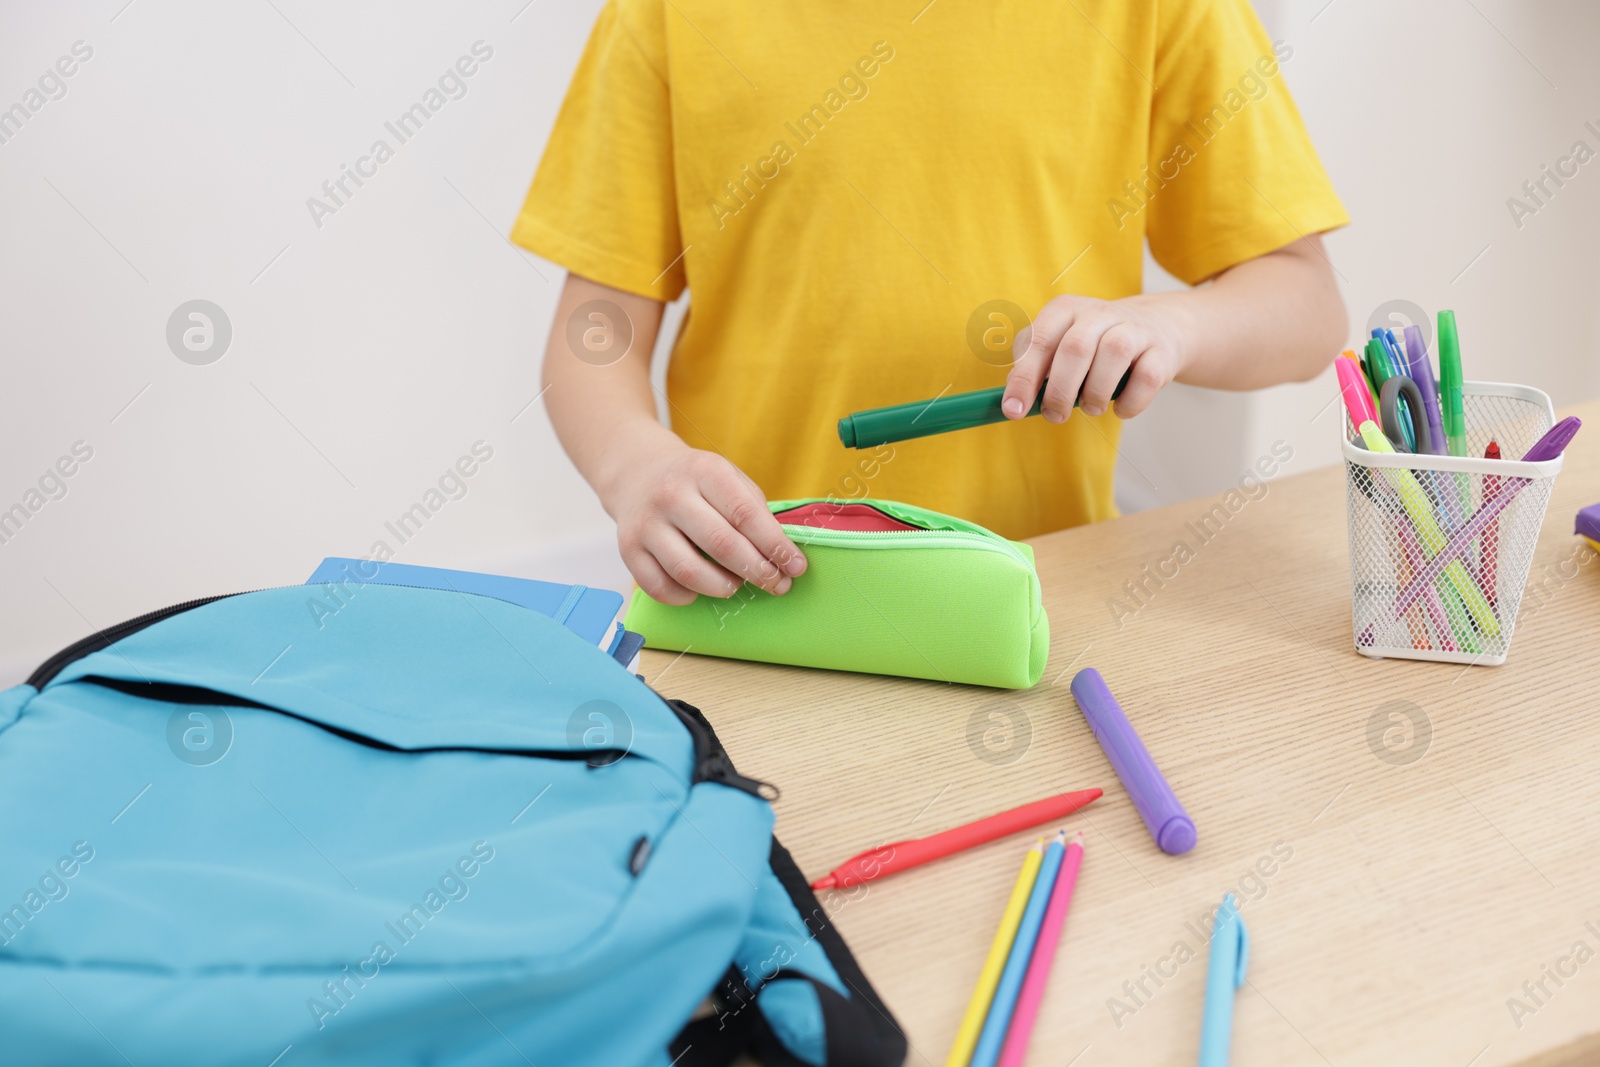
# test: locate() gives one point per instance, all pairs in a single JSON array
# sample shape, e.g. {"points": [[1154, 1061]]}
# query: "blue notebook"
{"points": [[587, 612]]}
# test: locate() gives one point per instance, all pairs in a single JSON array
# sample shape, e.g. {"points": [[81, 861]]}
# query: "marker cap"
{"points": [[1177, 836]]}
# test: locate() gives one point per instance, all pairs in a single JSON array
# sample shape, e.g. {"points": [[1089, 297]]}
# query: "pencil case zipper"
{"points": [[974, 537], [930, 535], [812, 535]]}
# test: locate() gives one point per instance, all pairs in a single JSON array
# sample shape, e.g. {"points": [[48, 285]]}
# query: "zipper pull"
{"points": [[711, 763], [716, 768]]}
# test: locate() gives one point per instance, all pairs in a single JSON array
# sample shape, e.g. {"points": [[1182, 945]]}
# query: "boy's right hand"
{"points": [[682, 501]]}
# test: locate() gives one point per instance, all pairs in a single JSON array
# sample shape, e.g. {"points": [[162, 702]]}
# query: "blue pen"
{"points": [[1393, 368], [1230, 952], [1391, 345], [1004, 1003], [1397, 360]]}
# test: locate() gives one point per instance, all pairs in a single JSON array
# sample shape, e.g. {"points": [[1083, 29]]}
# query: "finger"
{"points": [[1119, 346], [706, 527], [655, 582], [1152, 372], [741, 502], [1033, 349], [1073, 357], [686, 566]]}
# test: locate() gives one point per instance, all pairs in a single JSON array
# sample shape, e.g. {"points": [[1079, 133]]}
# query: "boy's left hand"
{"points": [[1079, 342]]}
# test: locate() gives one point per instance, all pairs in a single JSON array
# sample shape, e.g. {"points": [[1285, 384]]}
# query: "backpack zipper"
{"points": [[711, 762], [102, 639]]}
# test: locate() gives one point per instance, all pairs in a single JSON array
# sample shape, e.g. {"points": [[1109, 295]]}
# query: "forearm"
{"points": [[1274, 319], [688, 521], [603, 411]]}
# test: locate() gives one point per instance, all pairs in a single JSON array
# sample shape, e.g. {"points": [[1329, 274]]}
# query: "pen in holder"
{"points": [[1441, 546]]}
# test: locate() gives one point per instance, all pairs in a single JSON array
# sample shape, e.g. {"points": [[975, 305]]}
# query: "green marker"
{"points": [[1382, 369], [1453, 414], [1370, 371], [1455, 418], [1378, 364], [942, 414]]}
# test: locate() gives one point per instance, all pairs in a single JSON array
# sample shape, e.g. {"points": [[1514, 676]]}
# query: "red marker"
{"points": [[903, 855], [1491, 535]]}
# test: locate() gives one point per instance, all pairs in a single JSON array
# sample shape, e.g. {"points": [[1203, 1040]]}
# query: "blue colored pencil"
{"points": [[993, 1037]]}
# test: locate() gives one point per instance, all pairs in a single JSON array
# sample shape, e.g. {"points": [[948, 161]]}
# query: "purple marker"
{"points": [[1158, 805], [1422, 374], [1588, 523], [1548, 447]]}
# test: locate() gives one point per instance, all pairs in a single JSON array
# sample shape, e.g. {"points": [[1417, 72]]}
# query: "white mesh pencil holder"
{"points": [[1441, 546]]}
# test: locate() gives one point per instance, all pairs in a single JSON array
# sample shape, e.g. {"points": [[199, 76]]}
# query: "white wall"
{"points": [[369, 353], [369, 356], [1428, 115]]}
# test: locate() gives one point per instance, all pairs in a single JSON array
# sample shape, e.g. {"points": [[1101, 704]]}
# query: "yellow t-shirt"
{"points": [[844, 185]]}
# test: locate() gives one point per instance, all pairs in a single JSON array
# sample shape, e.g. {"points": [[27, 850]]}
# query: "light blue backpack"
{"points": [[435, 828]]}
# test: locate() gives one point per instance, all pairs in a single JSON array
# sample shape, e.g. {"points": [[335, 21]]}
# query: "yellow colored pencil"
{"points": [[988, 978]]}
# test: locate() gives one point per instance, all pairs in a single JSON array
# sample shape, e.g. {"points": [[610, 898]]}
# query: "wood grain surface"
{"points": [[1400, 884]]}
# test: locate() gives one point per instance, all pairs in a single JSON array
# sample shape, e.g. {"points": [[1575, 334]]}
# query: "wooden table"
{"points": [[1400, 886]]}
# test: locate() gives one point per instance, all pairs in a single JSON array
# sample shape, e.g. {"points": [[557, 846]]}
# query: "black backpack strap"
{"points": [[718, 1039], [859, 1030]]}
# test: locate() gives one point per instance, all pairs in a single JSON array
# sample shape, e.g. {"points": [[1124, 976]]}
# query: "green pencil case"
{"points": [[889, 588]]}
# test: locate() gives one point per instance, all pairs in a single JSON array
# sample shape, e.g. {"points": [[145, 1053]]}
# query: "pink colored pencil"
{"points": [[1430, 597], [1044, 954]]}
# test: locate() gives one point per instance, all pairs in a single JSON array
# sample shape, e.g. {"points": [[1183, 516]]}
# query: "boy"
{"points": [[854, 193]]}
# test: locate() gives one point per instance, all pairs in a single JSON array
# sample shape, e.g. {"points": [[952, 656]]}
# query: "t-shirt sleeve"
{"points": [[1238, 176], [603, 202]]}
